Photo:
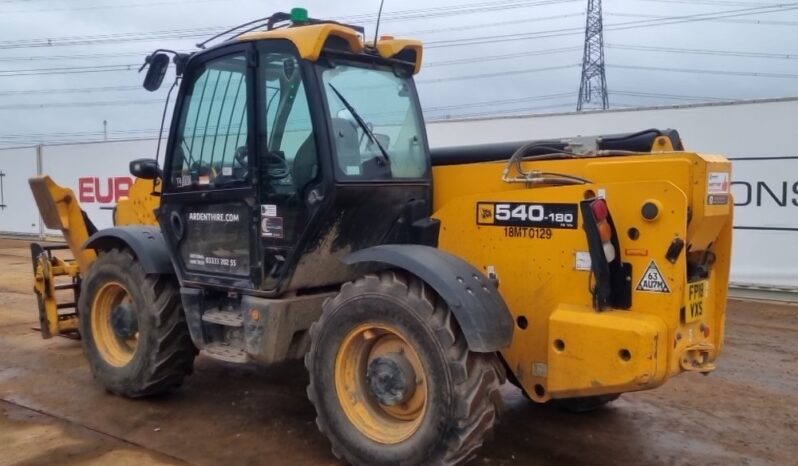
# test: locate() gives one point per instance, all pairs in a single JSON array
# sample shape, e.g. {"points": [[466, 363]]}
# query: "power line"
{"points": [[499, 102], [480, 25], [192, 33], [501, 73], [90, 56], [411, 33], [104, 103], [84, 90], [726, 53], [760, 22], [703, 71], [530, 53], [716, 2], [69, 70], [610, 27], [513, 112], [116, 5], [422, 14], [668, 96]]}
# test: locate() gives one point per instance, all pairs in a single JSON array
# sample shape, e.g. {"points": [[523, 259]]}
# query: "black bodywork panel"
{"points": [[146, 242], [641, 141], [476, 303]]}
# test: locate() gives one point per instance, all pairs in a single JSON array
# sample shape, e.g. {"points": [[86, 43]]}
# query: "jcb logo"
{"points": [[485, 214], [103, 191]]}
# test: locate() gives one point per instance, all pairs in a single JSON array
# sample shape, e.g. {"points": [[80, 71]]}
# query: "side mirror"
{"points": [[146, 169], [158, 63]]}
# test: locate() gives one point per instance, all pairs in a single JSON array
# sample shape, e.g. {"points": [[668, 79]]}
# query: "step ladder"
{"points": [[225, 351]]}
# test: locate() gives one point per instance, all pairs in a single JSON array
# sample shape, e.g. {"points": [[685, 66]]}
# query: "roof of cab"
{"points": [[309, 41]]}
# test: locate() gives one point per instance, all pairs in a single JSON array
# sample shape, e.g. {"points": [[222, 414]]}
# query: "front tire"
{"points": [[134, 333], [392, 379]]}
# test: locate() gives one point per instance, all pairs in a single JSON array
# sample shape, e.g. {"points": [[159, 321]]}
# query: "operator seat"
{"points": [[306, 165]]}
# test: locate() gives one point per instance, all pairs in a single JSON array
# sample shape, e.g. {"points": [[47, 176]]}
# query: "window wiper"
{"points": [[362, 125]]}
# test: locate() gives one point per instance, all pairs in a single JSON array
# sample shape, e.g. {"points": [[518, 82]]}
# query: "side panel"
{"points": [[543, 268]]}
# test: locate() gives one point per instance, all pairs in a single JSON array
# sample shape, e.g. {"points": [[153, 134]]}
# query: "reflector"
{"points": [[600, 211], [605, 231]]}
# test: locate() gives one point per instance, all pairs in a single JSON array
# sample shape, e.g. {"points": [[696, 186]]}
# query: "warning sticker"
{"points": [[717, 199], [271, 227], [653, 280], [718, 183], [268, 210]]}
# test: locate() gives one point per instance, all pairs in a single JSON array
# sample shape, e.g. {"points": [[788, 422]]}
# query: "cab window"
{"points": [[384, 103], [290, 158], [212, 135]]}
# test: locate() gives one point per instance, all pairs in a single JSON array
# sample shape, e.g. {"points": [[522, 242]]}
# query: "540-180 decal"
{"points": [[528, 215]]}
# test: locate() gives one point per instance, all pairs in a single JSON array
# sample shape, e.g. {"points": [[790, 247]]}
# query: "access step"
{"points": [[227, 318], [225, 352]]}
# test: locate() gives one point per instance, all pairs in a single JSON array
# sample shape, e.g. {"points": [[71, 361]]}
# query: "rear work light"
{"points": [[612, 278]]}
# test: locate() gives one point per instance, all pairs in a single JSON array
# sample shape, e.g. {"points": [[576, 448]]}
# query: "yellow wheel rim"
{"points": [[117, 350], [381, 422]]}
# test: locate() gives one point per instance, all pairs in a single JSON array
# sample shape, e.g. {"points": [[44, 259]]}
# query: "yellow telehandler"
{"points": [[299, 212]]}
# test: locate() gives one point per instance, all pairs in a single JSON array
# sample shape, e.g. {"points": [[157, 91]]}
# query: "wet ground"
{"points": [[51, 411]]}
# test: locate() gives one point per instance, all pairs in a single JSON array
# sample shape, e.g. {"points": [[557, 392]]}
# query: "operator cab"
{"points": [[288, 149]]}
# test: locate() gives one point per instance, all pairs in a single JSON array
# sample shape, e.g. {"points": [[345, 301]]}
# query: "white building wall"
{"points": [[18, 213]]}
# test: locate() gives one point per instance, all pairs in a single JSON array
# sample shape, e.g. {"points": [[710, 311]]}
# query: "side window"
{"points": [[290, 160], [211, 147], [384, 102]]}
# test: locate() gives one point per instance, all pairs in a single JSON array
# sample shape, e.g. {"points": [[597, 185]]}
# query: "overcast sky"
{"points": [[61, 92]]}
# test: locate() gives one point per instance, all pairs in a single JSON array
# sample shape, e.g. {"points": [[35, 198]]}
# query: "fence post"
{"points": [[40, 172]]}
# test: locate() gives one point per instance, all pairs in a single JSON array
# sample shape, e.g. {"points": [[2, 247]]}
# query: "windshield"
{"points": [[386, 105]]}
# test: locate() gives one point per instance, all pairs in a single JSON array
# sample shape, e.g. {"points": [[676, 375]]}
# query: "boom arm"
{"points": [[60, 210]]}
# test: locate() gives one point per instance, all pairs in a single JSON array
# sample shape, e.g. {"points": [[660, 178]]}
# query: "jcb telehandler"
{"points": [[300, 213]]}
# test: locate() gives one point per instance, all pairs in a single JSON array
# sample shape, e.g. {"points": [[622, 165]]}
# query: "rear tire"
{"points": [[461, 399], [134, 332]]}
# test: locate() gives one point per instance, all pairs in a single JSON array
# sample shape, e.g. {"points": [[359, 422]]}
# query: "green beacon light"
{"points": [[299, 15]]}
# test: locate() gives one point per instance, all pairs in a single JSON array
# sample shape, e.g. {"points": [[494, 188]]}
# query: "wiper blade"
{"points": [[362, 124]]}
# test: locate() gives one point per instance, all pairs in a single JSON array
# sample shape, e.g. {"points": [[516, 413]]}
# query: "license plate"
{"points": [[695, 298]]}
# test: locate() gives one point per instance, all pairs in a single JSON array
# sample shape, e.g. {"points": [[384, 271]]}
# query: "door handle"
{"points": [[177, 225]]}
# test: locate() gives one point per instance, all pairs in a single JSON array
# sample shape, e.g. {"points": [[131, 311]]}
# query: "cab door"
{"points": [[290, 155], [209, 211]]}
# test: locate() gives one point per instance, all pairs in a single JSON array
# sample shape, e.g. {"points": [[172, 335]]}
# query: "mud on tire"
{"points": [[463, 399], [164, 354]]}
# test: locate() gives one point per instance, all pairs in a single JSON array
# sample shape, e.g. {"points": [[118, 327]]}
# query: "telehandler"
{"points": [[299, 212]]}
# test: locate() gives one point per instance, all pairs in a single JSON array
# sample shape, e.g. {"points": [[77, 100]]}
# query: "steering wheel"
{"points": [[241, 156]]}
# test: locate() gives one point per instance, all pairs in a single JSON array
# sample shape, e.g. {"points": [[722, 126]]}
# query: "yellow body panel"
{"points": [[309, 41], [138, 208], [541, 282], [388, 48]]}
